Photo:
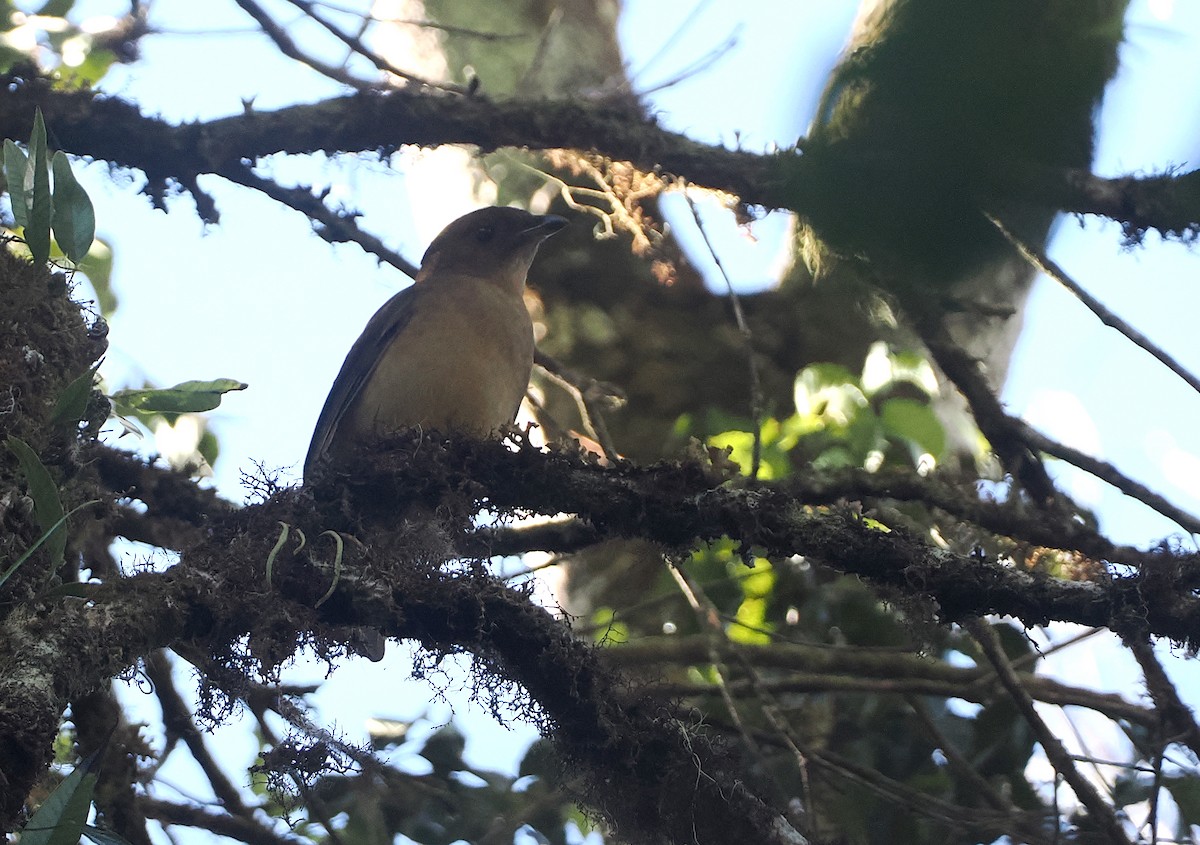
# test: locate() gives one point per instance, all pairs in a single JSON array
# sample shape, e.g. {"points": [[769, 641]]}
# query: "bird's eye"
{"points": [[484, 234]]}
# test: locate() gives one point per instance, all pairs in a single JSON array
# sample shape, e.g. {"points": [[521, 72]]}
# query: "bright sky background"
{"points": [[261, 299]]}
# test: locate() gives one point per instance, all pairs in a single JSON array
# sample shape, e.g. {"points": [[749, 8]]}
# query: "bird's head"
{"points": [[493, 242]]}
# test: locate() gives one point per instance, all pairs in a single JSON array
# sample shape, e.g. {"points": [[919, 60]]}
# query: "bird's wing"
{"points": [[360, 362]]}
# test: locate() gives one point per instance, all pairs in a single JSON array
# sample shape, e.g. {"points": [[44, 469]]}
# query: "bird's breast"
{"points": [[460, 363]]}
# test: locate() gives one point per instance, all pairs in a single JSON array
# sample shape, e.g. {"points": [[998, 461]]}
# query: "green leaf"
{"points": [[72, 402], [41, 210], [187, 397], [915, 422], [60, 819], [1186, 792], [46, 503], [20, 181], [74, 218]]}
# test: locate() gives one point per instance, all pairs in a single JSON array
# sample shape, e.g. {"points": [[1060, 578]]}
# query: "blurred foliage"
{"points": [[909, 145], [880, 419], [78, 50], [883, 417], [432, 795], [528, 47]]}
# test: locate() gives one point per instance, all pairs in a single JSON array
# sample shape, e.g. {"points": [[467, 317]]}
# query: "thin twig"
{"points": [[235, 828], [706, 617], [957, 760], [334, 228], [553, 22], [312, 802], [1110, 474], [289, 48], [773, 712], [1155, 795], [1086, 756], [466, 32], [913, 800], [672, 41], [177, 718], [756, 393], [1100, 810], [358, 47], [590, 396], [1179, 722], [699, 65], [1002, 430], [812, 668], [1043, 264]]}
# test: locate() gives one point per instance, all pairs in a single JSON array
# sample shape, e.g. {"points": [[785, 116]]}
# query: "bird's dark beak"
{"points": [[547, 225]]}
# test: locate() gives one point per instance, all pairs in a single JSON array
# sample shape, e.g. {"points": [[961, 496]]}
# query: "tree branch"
{"points": [[679, 504], [107, 128], [219, 602], [813, 668]]}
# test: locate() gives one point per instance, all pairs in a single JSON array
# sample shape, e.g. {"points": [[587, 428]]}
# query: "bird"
{"points": [[451, 353]]}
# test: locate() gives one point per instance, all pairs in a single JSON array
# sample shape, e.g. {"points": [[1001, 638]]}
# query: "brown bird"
{"points": [[453, 352]]}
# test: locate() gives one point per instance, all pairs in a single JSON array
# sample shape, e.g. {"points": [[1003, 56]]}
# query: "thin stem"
{"points": [[335, 228], [590, 395], [358, 47], [1108, 473], [287, 45], [1099, 809], [756, 392], [1043, 264]]}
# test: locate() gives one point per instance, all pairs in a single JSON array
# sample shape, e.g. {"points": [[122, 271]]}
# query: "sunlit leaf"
{"points": [[90, 71], [187, 397], [608, 629], [55, 8], [828, 392], [877, 368], [751, 614], [914, 368], [915, 422]]}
